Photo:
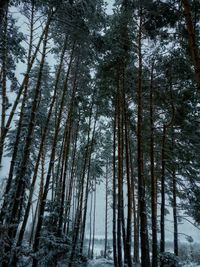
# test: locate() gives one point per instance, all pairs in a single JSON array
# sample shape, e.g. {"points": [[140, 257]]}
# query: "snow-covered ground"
{"points": [[100, 263]]}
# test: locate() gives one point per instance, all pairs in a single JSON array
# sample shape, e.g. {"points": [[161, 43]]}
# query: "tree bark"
{"points": [[145, 261], [153, 179], [106, 212], [114, 190], [193, 45]]}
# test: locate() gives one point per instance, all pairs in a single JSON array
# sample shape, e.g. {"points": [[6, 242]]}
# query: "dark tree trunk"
{"points": [[120, 175], [114, 191], [90, 235], [193, 44], [4, 12], [94, 219], [162, 211], [145, 260], [106, 213], [129, 190], [153, 179]]}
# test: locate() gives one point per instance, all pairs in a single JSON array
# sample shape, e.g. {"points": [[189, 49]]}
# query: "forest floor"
{"points": [[100, 263]]}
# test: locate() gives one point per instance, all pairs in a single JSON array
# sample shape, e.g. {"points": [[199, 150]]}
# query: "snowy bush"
{"points": [[168, 259]]}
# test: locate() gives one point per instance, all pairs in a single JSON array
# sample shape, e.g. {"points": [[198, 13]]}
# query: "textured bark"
{"points": [[192, 39], [4, 76]]}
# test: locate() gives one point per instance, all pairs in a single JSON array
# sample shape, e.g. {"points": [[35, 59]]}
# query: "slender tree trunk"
{"points": [[193, 44], [114, 191], [4, 76], [153, 179], [106, 213], [90, 235], [175, 213], [145, 261], [135, 212], [174, 188], [129, 189], [120, 176], [94, 219], [162, 211]]}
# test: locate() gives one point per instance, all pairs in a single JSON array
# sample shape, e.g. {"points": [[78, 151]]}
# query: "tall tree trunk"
{"points": [[193, 44], [129, 189], [135, 211], [145, 261], [4, 75], [106, 213], [174, 189], [175, 213], [153, 179], [90, 235], [120, 175], [162, 211], [114, 190], [94, 218]]}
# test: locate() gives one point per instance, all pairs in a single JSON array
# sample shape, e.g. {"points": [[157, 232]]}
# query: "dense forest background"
{"points": [[98, 100]]}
